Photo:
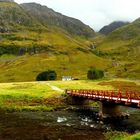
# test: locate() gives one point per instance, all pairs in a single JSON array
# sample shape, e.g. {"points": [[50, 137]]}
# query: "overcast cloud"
{"points": [[95, 13]]}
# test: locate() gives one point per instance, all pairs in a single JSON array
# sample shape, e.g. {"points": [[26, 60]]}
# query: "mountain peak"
{"points": [[49, 17], [112, 26]]}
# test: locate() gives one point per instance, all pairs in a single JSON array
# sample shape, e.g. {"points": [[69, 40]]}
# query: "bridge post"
{"points": [[77, 101], [108, 109]]}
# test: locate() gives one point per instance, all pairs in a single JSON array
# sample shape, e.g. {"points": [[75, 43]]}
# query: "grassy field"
{"points": [[133, 137], [115, 135], [41, 96], [38, 95], [76, 65], [27, 96]]}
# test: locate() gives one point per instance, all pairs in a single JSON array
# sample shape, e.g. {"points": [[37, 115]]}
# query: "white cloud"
{"points": [[95, 13]]}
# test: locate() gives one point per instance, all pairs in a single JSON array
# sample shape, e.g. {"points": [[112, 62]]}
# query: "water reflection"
{"points": [[87, 119]]}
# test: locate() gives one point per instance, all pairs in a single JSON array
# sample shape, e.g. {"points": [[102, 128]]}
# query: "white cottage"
{"points": [[67, 78]]}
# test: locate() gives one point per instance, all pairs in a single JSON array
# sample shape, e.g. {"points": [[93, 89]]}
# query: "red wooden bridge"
{"points": [[127, 98]]}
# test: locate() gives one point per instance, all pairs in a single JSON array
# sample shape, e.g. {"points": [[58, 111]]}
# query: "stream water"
{"points": [[62, 125]]}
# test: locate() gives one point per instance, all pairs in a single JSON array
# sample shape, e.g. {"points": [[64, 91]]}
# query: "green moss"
{"points": [[133, 137], [115, 135]]}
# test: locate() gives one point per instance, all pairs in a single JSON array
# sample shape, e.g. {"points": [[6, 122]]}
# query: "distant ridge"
{"points": [[48, 16], [113, 26], [123, 46]]}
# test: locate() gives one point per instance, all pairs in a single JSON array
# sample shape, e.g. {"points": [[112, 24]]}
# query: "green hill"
{"points": [[35, 38], [36, 28], [123, 47], [32, 43]]}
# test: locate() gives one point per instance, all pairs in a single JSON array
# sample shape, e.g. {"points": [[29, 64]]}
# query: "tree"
{"points": [[52, 75], [95, 74], [46, 75]]}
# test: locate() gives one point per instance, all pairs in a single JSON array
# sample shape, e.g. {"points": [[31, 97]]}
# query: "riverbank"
{"points": [[64, 125], [39, 125]]}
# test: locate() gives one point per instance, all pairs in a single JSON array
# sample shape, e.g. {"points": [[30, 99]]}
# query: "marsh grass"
{"points": [[27, 96], [37, 96], [122, 85], [133, 137], [115, 135]]}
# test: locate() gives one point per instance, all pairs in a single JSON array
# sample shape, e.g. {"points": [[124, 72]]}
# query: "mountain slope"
{"points": [[22, 32], [30, 45], [112, 26], [48, 16], [123, 47], [14, 18]]}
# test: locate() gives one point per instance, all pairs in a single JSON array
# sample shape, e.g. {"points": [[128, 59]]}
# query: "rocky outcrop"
{"points": [[48, 16]]}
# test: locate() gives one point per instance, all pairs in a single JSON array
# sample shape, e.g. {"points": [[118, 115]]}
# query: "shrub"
{"points": [[46, 75], [95, 74]]}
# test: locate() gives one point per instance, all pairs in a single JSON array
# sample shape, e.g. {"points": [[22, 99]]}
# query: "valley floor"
{"points": [[20, 100], [50, 95]]}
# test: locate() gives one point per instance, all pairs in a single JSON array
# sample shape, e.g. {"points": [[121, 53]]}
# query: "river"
{"points": [[62, 125]]}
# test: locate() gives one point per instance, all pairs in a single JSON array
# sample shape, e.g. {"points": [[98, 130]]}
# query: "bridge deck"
{"points": [[119, 97]]}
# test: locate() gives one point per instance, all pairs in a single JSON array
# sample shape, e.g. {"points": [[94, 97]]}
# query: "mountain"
{"points": [[113, 26], [29, 26], [34, 38], [48, 16], [123, 47], [14, 18]]}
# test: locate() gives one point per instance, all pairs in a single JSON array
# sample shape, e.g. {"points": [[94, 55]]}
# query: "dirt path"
{"points": [[55, 88]]}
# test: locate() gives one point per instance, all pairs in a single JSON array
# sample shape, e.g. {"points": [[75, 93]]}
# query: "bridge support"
{"points": [[77, 101], [108, 109]]}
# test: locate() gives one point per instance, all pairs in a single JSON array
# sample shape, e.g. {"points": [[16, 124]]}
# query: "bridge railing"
{"points": [[118, 96]]}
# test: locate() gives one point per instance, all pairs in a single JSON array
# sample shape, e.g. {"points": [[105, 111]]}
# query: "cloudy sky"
{"points": [[95, 13]]}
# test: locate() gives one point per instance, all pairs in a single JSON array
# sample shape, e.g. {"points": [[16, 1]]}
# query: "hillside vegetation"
{"points": [[41, 96], [35, 38], [123, 47]]}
